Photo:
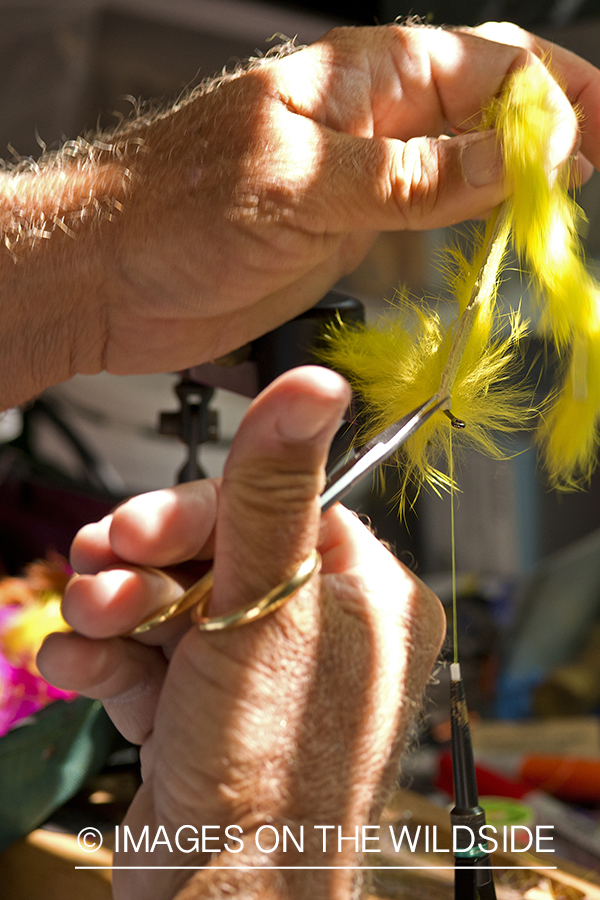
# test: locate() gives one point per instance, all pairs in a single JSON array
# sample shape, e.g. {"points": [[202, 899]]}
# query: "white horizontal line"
{"points": [[328, 868]]}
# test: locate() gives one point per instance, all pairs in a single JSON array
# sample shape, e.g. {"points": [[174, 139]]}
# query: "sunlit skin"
{"points": [[212, 225], [220, 226], [253, 726]]}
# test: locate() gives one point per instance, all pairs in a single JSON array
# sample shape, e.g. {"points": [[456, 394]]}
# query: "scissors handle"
{"points": [[339, 483]]}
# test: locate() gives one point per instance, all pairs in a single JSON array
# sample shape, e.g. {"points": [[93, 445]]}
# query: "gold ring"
{"points": [[267, 604], [194, 594]]}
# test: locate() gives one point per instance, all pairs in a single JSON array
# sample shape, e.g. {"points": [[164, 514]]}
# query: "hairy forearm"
{"points": [[79, 231], [56, 263], [186, 234], [113, 251], [48, 319]]}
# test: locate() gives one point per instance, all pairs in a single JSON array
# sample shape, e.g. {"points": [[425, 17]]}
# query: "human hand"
{"points": [[264, 192], [297, 719], [187, 234]]}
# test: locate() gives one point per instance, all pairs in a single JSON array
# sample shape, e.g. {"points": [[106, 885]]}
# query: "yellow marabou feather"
{"points": [[545, 217], [397, 365], [546, 222], [569, 432], [403, 360]]}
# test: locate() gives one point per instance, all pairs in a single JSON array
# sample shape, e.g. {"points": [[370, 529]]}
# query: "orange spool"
{"points": [[570, 778]]}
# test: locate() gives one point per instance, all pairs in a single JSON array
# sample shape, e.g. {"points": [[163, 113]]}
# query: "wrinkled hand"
{"points": [[257, 197], [297, 718], [202, 228]]}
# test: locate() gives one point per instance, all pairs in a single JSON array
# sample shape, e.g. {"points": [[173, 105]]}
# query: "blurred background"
{"points": [[70, 66], [528, 559]]}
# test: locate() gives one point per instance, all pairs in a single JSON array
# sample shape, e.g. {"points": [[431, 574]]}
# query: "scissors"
{"points": [[342, 478]]}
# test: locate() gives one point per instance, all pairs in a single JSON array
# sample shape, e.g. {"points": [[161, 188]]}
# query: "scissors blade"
{"points": [[375, 452]]}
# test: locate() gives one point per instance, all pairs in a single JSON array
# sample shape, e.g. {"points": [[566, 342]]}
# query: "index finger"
{"points": [[160, 528], [579, 79], [402, 81]]}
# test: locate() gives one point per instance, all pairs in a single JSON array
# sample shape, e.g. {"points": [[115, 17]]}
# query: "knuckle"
{"points": [[416, 185], [265, 490]]}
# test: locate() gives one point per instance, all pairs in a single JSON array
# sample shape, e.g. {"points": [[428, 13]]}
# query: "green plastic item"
{"points": [[46, 760]]}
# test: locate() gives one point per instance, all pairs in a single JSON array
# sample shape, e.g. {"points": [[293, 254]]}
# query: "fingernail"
{"points": [[305, 418], [481, 160]]}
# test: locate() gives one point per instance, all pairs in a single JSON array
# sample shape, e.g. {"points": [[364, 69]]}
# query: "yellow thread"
{"points": [[453, 549]]}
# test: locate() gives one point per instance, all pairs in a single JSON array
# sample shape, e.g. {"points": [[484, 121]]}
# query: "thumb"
{"points": [[269, 512], [419, 184], [385, 184]]}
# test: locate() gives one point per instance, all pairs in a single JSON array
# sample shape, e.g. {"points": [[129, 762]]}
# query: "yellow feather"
{"points": [[546, 222], [569, 433], [404, 360], [399, 364]]}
